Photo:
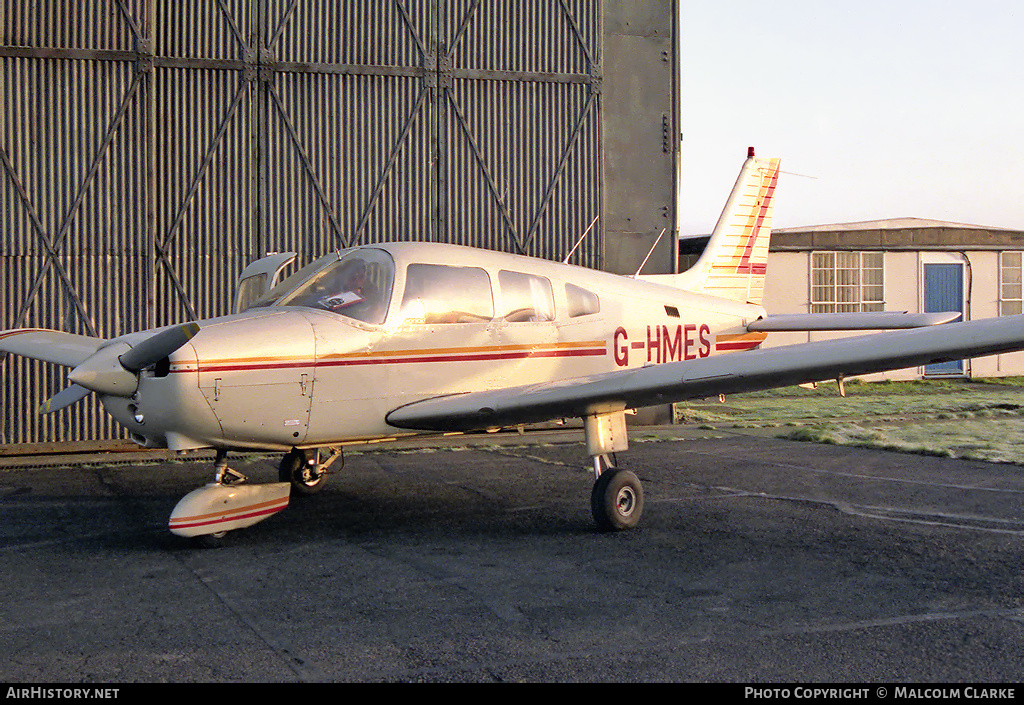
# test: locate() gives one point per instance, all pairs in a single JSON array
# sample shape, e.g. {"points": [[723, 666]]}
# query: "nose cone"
{"points": [[168, 410], [114, 369], [103, 373]]}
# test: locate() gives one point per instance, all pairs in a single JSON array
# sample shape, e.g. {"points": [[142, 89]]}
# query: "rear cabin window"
{"points": [[438, 293], [581, 302], [525, 297]]}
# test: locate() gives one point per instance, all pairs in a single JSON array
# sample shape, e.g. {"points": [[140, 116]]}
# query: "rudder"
{"points": [[735, 260]]}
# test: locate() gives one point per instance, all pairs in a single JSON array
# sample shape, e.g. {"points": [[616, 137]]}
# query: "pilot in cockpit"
{"points": [[356, 287], [346, 287]]}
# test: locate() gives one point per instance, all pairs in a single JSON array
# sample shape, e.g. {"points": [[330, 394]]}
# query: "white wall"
{"points": [[787, 290]]}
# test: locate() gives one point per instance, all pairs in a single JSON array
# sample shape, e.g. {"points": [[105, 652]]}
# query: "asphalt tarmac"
{"points": [[758, 560]]}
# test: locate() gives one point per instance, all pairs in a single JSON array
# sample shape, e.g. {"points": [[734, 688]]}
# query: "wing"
{"points": [[722, 374], [53, 346]]}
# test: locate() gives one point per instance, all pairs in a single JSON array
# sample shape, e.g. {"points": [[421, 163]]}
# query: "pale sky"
{"points": [[898, 108]]}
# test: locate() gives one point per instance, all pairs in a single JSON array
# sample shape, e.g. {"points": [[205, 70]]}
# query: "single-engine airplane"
{"points": [[397, 338]]}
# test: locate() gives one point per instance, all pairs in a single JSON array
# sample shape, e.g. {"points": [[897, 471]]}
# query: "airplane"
{"points": [[391, 339]]}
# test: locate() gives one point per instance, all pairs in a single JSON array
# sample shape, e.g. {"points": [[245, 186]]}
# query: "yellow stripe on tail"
{"points": [[735, 260]]}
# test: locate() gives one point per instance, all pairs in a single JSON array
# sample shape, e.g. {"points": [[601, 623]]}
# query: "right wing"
{"points": [[711, 376]]}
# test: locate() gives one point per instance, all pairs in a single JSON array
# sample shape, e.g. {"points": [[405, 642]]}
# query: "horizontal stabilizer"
{"points": [[874, 320], [53, 346], [712, 376]]}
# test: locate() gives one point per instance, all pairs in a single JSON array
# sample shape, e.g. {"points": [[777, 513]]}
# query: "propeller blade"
{"points": [[63, 399], [152, 350]]}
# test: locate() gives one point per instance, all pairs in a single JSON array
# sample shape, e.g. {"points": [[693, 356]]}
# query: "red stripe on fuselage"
{"points": [[396, 360]]}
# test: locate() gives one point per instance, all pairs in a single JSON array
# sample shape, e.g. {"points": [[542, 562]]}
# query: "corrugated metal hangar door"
{"points": [[152, 148]]}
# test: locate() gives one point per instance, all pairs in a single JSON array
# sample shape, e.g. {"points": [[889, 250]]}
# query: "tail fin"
{"points": [[735, 260]]}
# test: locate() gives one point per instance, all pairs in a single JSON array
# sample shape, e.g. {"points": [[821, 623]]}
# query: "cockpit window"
{"points": [[358, 285], [438, 293]]}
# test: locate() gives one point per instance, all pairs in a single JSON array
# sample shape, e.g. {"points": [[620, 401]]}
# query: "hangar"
{"points": [[150, 149], [899, 264]]}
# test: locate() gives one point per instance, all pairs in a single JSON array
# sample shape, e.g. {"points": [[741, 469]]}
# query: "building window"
{"points": [[843, 282], [1009, 283]]}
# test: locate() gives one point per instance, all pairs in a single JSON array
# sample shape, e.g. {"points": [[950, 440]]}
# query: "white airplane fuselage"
{"points": [[282, 376], [392, 339]]}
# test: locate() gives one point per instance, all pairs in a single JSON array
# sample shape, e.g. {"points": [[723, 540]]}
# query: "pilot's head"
{"points": [[355, 277]]}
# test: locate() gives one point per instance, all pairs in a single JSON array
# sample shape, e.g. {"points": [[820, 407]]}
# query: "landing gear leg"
{"points": [[222, 475], [228, 503], [307, 469], [617, 498]]}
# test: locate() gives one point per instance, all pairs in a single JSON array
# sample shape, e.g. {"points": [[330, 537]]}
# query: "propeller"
{"points": [[156, 348], [115, 369], [64, 398]]}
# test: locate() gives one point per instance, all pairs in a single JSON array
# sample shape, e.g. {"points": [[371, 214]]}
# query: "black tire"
{"points": [[210, 540], [296, 470], [617, 500]]}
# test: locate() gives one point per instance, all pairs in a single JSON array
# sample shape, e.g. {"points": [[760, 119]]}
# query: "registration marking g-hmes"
{"points": [[662, 344]]}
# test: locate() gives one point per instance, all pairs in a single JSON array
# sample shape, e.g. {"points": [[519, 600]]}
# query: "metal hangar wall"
{"points": [[150, 149]]}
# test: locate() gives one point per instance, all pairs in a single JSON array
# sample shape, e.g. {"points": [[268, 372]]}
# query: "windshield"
{"points": [[358, 285]]}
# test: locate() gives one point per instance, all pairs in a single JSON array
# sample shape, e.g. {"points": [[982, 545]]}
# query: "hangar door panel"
{"points": [[152, 149], [466, 121], [519, 109], [73, 199]]}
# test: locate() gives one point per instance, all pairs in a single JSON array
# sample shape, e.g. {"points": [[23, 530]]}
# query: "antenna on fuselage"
{"points": [[566, 260], [650, 252]]}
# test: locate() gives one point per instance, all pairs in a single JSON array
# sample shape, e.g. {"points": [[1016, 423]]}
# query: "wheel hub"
{"points": [[625, 501]]}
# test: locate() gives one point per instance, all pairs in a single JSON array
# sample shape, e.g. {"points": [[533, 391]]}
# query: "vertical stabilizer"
{"points": [[735, 260]]}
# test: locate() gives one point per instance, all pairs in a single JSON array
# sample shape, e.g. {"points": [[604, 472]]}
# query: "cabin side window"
{"points": [[437, 293], [525, 297], [581, 302]]}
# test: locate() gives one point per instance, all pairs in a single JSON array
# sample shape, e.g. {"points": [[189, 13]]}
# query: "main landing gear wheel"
{"points": [[306, 478], [617, 500]]}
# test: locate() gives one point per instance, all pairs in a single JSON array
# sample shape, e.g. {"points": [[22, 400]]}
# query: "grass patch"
{"points": [[970, 419]]}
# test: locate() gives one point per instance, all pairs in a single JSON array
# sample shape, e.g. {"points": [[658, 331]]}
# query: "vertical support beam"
{"points": [[152, 146]]}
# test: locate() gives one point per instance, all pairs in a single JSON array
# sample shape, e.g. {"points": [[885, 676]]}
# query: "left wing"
{"points": [[54, 346], [705, 377]]}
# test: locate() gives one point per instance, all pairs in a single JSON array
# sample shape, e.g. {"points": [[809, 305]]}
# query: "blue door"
{"points": [[944, 291]]}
